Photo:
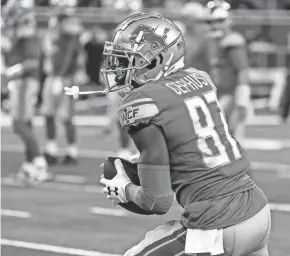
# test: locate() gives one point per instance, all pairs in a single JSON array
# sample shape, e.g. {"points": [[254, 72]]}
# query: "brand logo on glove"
{"points": [[112, 190]]}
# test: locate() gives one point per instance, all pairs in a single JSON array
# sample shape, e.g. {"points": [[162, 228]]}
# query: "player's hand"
{"points": [[73, 91], [116, 187]]}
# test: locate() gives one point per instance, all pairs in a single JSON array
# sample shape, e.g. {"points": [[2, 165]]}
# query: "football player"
{"points": [[285, 101], [199, 45], [176, 122], [230, 68], [61, 62], [22, 73]]}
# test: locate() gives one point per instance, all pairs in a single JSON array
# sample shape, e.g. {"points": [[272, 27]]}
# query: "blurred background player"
{"points": [[285, 101], [61, 66], [230, 68], [22, 61], [199, 46], [5, 48]]}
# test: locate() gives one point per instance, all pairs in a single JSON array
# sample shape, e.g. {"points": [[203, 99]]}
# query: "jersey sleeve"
{"points": [[233, 40], [235, 45], [137, 111], [239, 58], [69, 56]]}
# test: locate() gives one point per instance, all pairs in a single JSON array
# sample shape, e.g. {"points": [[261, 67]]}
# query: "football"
{"points": [[110, 172]]}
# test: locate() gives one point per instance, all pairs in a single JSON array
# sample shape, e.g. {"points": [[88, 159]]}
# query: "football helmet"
{"points": [[195, 12], [145, 47], [220, 18]]}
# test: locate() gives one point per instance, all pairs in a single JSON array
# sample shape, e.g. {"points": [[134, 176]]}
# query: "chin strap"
{"points": [[74, 91], [177, 66]]}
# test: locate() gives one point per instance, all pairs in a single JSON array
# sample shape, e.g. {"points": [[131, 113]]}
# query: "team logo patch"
{"points": [[128, 115], [150, 36]]}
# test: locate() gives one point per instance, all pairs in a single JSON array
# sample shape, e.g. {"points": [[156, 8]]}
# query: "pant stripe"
{"points": [[180, 253], [164, 241], [169, 246]]}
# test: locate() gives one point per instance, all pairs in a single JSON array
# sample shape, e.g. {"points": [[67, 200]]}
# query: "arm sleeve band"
{"points": [[155, 193], [14, 71]]}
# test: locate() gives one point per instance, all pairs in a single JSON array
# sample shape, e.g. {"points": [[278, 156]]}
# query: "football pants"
{"points": [[247, 238]]}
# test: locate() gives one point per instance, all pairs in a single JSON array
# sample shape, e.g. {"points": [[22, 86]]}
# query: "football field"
{"points": [[70, 215]]}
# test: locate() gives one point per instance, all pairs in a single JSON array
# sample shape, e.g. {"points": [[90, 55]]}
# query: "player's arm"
{"points": [[21, 68], [29, 63], [239, 59], [73, 48], [155, 193]]}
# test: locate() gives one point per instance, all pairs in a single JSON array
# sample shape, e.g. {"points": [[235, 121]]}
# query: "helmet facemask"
{"points": [[145, 47], [121, 66]]}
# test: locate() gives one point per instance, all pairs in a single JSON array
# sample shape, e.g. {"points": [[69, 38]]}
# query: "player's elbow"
{"points": [[163, 209], [243, 76], [159, 205]]}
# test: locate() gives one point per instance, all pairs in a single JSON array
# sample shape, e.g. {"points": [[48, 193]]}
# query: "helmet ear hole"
{"points": [[161, 58], [152, 64]]}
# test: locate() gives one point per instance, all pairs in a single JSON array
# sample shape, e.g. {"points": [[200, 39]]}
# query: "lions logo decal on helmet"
{"points": [[150, 36]]}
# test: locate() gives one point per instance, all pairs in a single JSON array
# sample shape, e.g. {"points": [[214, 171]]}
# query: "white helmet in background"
{"points": [[220, 18], [195, 11]]}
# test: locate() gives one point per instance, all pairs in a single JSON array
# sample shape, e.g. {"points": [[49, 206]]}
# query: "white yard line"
{"points": [[15, 213], [74, 179], [270, 167], [53, 248], [102, 120], [86, 153], [282, 169], [55, 186], [280, 207], [265, 144], [39, 121], [258, 144], [108, 211]]}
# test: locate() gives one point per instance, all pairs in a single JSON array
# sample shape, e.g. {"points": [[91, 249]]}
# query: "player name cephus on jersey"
{"points": [[187, 84]]}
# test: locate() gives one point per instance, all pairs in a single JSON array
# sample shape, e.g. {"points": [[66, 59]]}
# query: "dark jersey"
{"points": [[199, 52], [25, 48], [231, 59], [208, 167], [64, 58]]}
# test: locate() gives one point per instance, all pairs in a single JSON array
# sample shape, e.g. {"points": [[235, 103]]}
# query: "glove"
{"points": [[116, 187]]}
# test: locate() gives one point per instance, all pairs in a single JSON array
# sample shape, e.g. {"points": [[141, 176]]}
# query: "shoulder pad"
{"points": [[233, 39], [137, 109], [191, 70], [202, 73]]}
